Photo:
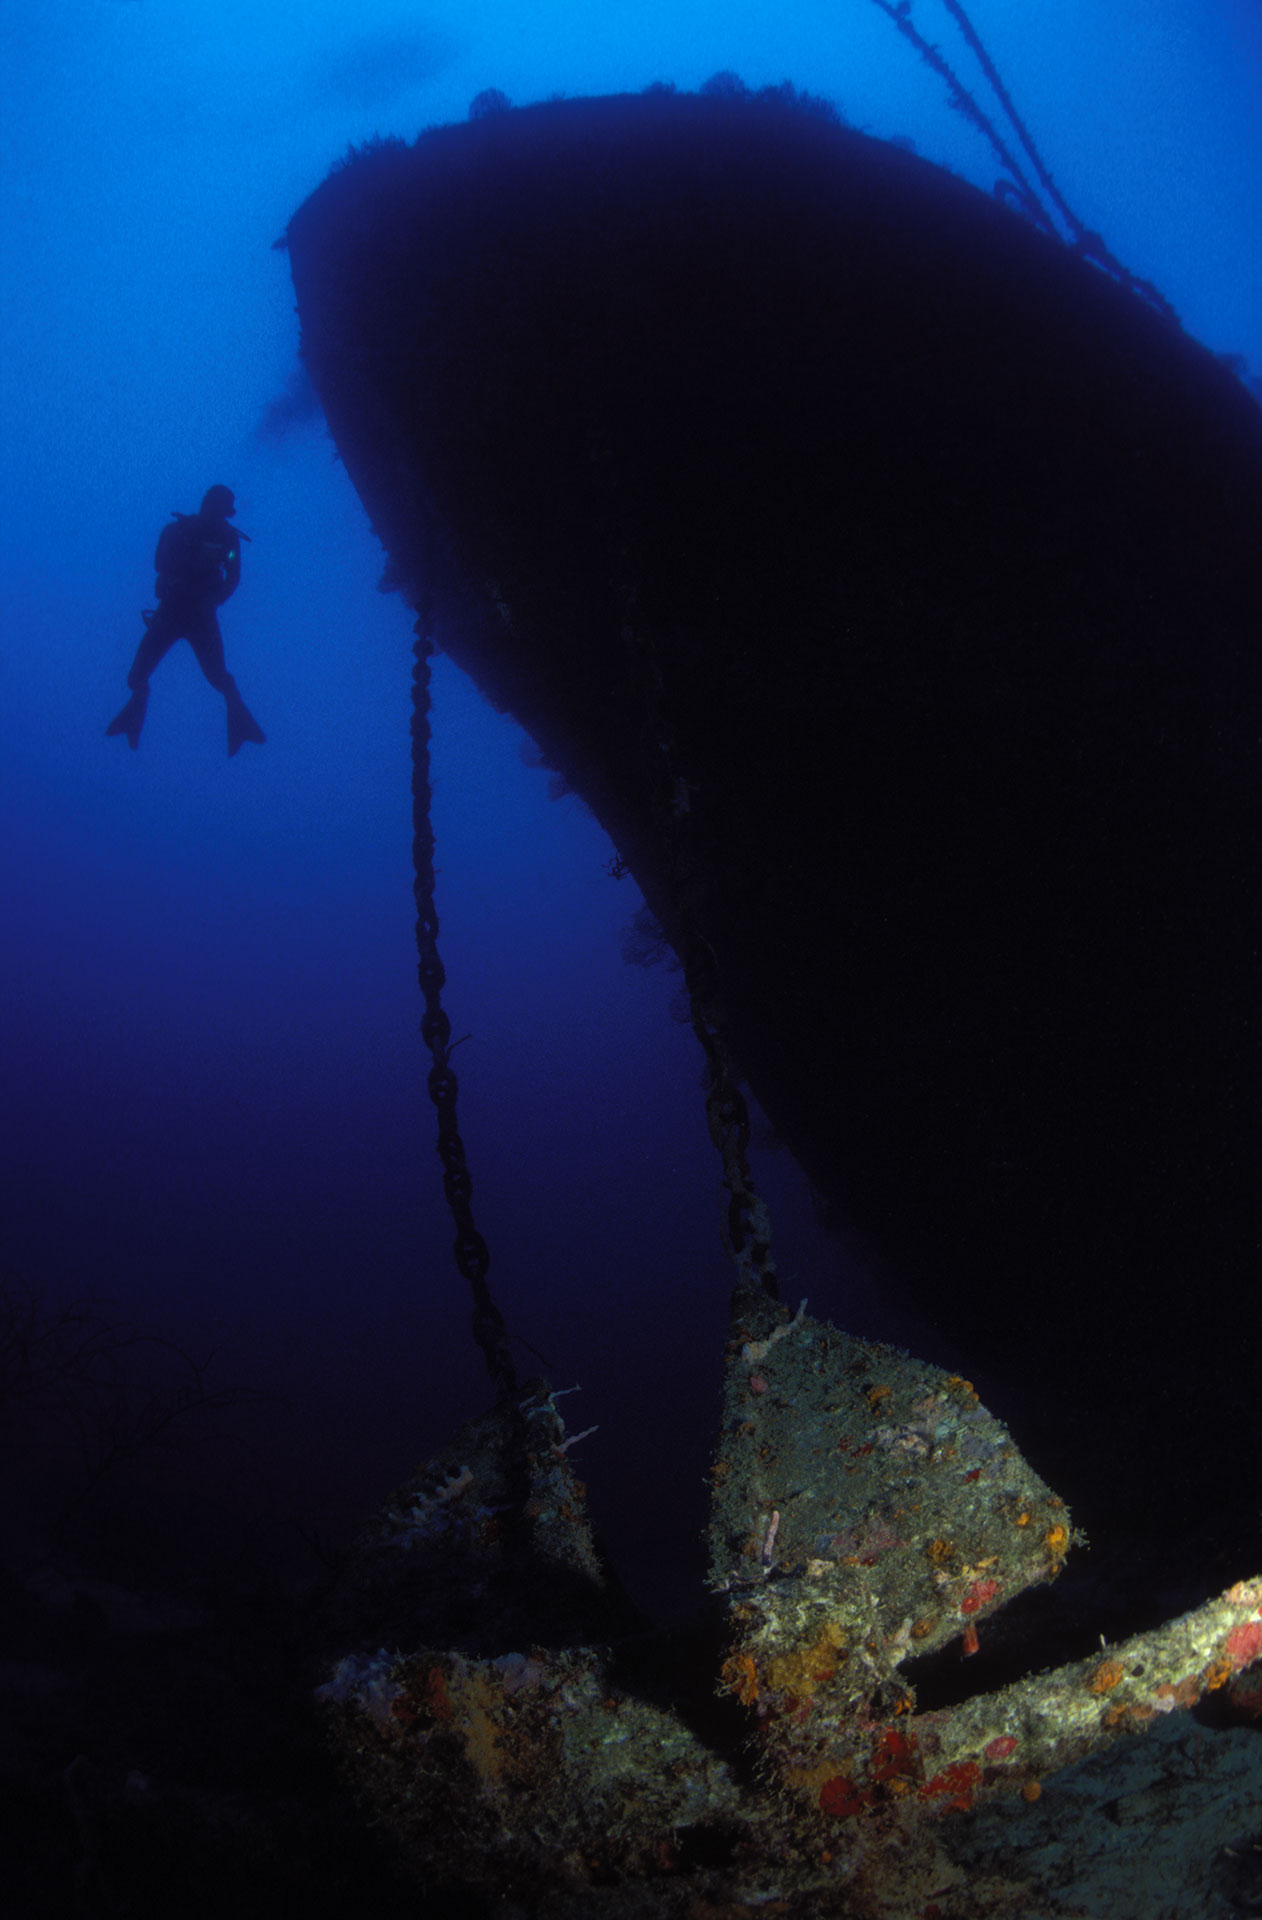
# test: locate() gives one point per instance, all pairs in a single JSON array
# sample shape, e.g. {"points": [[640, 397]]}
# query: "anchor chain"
{"points": [[1018, 189], [471, 1253], [745, 1225]]}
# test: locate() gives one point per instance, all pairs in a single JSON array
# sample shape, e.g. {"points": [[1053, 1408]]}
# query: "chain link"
{"points": [[745, 1226], [472, 1255]]}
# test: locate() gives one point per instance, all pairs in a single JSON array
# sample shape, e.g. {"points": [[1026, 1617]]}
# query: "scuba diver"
{"points": [[198, 564]]}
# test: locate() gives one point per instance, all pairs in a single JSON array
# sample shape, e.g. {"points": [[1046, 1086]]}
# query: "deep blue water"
{"points": [[213, 1087]]}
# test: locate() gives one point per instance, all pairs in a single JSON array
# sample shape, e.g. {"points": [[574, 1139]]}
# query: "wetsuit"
{"points": [[198, 566]]}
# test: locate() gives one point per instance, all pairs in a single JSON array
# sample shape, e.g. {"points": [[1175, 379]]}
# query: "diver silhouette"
{"points": [[198, 564]]}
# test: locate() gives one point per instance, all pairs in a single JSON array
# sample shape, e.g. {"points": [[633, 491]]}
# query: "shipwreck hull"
{"points": [[939, 553]]}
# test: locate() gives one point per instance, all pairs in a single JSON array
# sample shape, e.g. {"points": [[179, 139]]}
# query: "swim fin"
{"points": [[132, 718], [241, 723]]}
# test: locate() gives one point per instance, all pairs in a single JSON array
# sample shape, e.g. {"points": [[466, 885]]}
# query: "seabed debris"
{"points": [[866, 1510]]}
